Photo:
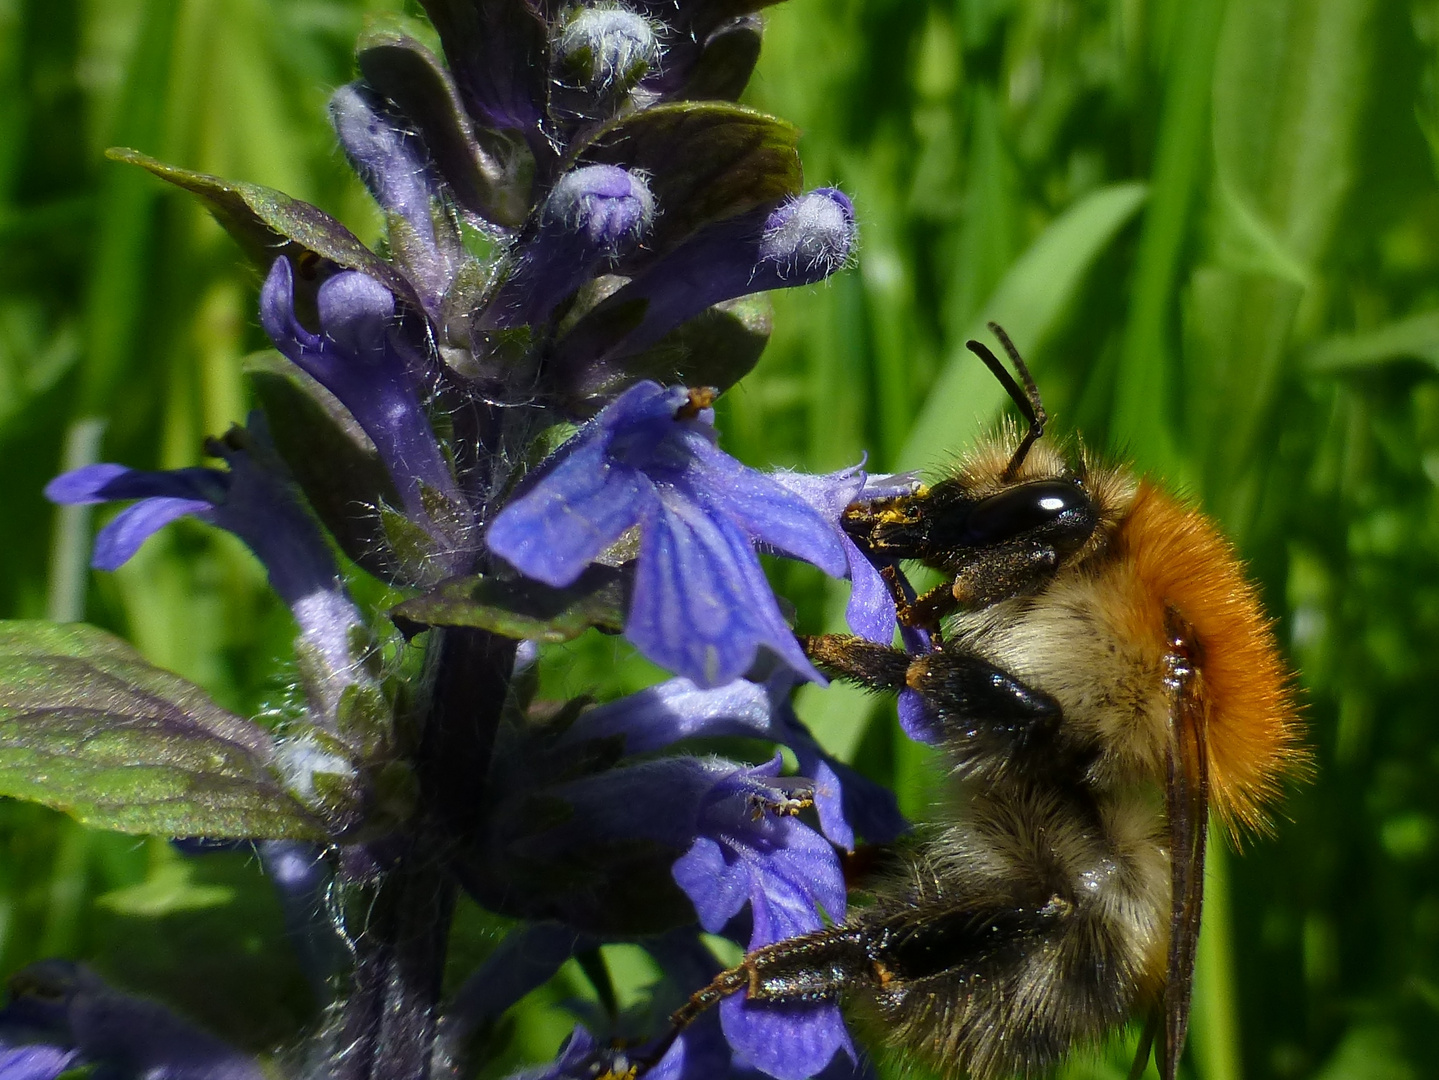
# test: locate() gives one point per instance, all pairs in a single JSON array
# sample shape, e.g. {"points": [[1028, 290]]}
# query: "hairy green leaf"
{"points": [[88, 726]]}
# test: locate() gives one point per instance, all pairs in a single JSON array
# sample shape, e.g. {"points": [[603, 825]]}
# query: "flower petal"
{"points": [[118, 541], [677, 709], [795, 871], [35, 1062], [702, 607], [870, 610], [787, 1040], [105, 482], [916, 718], [712, 878], [771, 513], [580, 507]]}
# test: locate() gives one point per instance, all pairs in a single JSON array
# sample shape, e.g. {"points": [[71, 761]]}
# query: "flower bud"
{"points": [[593, 214], [605, 51], [800, 242], [388, 158], [808, 238], [609, 207]]}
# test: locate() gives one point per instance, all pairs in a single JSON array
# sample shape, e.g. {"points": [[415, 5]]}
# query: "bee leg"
{"points": [[992, 721], [988, 575], [875, 667], [987, 713], [812, 967], [924, 611]]}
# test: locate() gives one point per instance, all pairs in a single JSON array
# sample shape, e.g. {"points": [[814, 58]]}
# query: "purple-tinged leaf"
{"points": [[484, 179], [520, 607], [724, 65], [497, 52], [268, 223], [332, 460], [89, 727], [717, 348]]}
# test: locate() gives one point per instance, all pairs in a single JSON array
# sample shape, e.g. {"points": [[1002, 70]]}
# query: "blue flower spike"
{"points": [[701, 605]]}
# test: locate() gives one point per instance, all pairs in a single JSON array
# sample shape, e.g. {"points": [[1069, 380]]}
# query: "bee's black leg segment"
{"points": [[814, 967], [993, 722], [875, 667], [922, 611], [926, 610], [976, 694]]}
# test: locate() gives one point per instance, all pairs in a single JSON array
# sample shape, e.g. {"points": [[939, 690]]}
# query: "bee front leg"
{"points": [[993, 721], [989, 575]]}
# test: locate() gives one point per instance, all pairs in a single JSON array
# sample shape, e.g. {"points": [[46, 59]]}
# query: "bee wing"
{"points": [[1188, 806]]}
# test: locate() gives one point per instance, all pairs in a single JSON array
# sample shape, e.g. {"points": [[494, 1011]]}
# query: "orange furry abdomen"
{"points": [[1176, 555]]}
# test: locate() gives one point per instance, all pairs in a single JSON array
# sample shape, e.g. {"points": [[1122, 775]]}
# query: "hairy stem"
{"points": [[388, 1024]]}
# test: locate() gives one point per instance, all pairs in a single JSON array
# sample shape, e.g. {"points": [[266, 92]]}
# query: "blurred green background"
{"points": [[1212, 227]]}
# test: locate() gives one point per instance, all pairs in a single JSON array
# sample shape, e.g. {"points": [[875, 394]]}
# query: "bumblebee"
{"points": [[1104, 677]]}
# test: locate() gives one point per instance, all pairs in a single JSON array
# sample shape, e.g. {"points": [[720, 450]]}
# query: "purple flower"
{"points": [[786, 1040], [256, 504], [395, 166], [735, 827], [701, 605], [804, 1043], [662, 715], [62, 1012], [37, 1061], [916, 718], [592, 216], [870, 612], [750, 849], [800, 243], [360, 357], [746, 854]]}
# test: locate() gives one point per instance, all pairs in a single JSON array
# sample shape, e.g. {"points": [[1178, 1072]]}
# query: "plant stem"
{"points": [[388, 1024]]}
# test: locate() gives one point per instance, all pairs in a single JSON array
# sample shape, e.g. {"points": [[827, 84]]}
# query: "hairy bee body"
{"points": [[1042, 915], [1102, 678], [1036, 923]]}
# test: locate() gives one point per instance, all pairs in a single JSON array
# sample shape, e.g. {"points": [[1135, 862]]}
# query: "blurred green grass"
{"points": [[1212, 227]]}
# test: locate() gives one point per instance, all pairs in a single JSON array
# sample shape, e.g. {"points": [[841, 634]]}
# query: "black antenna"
{"points": [[1026, 400]]}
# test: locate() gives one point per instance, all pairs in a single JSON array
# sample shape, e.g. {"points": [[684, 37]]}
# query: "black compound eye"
{"points": [[1041, 508]]}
